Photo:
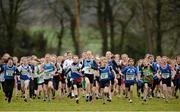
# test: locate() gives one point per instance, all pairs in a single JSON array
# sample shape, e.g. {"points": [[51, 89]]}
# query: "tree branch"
{"points": [[3, 12]]}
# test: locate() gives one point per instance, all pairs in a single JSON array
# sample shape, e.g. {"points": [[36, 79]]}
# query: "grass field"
{"points": [[65, 104]]}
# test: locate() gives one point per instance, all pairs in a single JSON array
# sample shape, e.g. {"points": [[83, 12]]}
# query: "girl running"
{"points": [[9, 71], [112, 64], [75, 77], [147, 73], [165, 71], [130, 73], [49, 71], [123, 65], [118, 76], [104, 79], [26, 73], [67, 63], [39, 76], [89, 65]]}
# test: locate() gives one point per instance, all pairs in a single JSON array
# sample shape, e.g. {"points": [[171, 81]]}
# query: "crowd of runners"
{"points": [[89, 77]]}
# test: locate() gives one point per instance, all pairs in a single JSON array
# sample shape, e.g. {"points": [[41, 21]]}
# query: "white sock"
{"points": [[72, 94]]}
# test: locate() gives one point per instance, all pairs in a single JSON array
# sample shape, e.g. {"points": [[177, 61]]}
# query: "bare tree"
{"points": [[73, 14], [58, 12], [102, 23], [124, 25], [158, 27], [11, 11], [77, 14], [147, 25]]}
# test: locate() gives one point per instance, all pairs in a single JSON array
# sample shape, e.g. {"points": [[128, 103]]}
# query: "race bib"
{"points": [[48, 74], [104, 75], [165, 75], [41, 79], [75, 69], [9, 73], [24, 72], [147, 73], [88, 71], [129, 77]]}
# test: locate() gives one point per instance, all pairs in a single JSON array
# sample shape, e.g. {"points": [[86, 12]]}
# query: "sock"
{"points": [[72, 94]]}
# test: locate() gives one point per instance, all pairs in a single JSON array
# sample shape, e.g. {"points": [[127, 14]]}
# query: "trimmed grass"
{"points": [[65, 104]]}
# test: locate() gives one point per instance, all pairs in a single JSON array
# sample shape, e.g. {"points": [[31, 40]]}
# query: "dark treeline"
{"points": [[135, 27]]}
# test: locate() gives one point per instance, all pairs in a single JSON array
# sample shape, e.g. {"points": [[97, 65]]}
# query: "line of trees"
{"points": [[135, 27]]}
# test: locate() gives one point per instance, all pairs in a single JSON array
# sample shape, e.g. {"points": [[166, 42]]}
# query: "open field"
{"points": [[65, 104]]}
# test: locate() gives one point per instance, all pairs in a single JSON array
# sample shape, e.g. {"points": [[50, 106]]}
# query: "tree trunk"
{"points": [[10, 14], [78, 43], [124, 26], [158, 29], [112, 35], [102, 22], [73, 34], [74, 24], [121, 43], [175, 44], [60, 36], [111, 23], [147, 26]]}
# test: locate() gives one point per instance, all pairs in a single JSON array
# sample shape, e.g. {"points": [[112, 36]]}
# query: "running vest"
{"points": [[9, 71], [147, 74], [130, 74], [25, 72], [165, 72], [87, 69], [111, 64], [58, 67], [39, 73], [48, 70], [75, 71], [104, 73]]}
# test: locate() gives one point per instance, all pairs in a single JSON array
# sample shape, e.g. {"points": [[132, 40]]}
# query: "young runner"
{"points": [[32, 80], [2, 80], [40, 78], [105, 78], [177, 77], [67, 63], [147, 72], [156, 78], [123, 65], [9, 70], [165, 71], [140, 83], [113, 64], [49, 71], [89, 65], [75, 77], [96, 81], [26, 73], [118, 76], [130, 74]]}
